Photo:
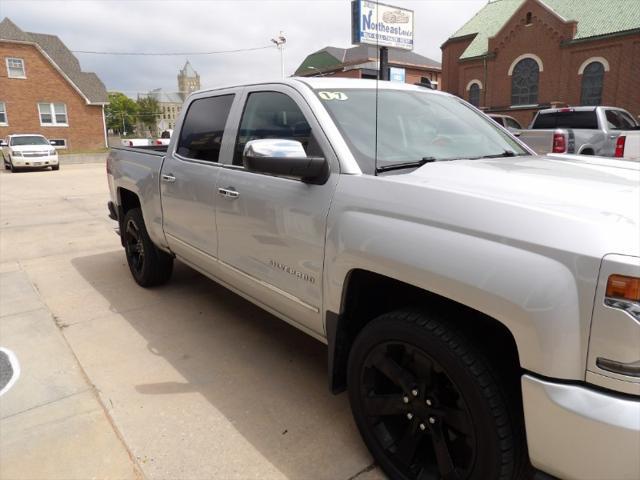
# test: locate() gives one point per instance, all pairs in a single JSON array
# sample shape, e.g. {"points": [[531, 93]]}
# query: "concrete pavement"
{"points": [[187, 380]]}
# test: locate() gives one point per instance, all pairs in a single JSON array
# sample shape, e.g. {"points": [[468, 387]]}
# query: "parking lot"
{"points": [[183, 381]]}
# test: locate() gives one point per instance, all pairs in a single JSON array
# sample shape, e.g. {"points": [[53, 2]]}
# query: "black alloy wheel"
{"points": [[429, 406], [417, 413], [148, 264], [134, 247]]}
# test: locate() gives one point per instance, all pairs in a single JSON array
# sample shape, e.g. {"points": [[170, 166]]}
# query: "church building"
{"points": [[170, 103]]}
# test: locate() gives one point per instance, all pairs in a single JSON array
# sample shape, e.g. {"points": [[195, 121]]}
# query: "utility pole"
{"points": [[384, 64], [279, 41]]}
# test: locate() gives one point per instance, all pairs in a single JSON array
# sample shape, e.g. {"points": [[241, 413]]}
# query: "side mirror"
{"points": [[285, 158], [52, 142]]}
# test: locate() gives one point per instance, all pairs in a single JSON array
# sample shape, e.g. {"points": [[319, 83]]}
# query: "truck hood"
{"points": [[601, 195]]}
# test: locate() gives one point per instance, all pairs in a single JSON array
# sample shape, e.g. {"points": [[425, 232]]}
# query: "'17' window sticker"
{"points": [[333, 96]]}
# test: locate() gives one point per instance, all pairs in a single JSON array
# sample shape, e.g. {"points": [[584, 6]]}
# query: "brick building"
{"points": [[43, 90], [518, 56], [362, 62]]}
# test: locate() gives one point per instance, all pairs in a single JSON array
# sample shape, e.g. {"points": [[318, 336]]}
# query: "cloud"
{"points": [[192, 26]]}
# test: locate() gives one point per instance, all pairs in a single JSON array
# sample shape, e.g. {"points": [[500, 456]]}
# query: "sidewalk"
{"points": [[52, 425]]}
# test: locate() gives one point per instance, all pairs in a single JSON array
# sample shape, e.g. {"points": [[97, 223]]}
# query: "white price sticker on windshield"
{"points": [[333, 95]]}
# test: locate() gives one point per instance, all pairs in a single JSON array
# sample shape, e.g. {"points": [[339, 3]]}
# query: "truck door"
{"points": [[271, 230], [188, 178]]}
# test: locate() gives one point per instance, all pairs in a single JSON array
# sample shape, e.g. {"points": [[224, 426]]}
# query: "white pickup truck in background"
{"points": [[601, 131]]}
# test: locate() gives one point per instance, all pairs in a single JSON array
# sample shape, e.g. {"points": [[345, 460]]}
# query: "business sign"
{"points": [[383, 25], [397, 74]]}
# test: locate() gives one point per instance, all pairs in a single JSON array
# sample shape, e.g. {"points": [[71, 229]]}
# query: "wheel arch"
{"points": [[587, 150], [367, 294], [127, 200]]}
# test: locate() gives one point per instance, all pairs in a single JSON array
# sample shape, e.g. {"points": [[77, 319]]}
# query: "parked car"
{"points": [[480, 303], [165, 138], [26, 151], [136, 142], [507, 122], [603, 131]]}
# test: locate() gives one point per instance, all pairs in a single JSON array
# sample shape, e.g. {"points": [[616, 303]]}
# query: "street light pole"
{"points": [[279, 41]]}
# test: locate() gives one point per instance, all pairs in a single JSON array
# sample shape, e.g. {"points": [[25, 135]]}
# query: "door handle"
{"points": [[228, 192], [169, 178]]}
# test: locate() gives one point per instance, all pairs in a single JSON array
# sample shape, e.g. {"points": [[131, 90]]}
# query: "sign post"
{"points": [[384, 64], [384, 26]]}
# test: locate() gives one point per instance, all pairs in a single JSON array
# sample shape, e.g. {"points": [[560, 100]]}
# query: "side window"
{"points": [[626, 121], [618, 120], [613, 120], [273, 115], [203, 128], [511, 123]]}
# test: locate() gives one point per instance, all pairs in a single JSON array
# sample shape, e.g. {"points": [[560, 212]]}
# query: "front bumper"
{"points": [[34, 162], [575, 432]]}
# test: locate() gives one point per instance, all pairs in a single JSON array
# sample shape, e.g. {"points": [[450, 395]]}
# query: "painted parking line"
{"points": [[9, 370]]}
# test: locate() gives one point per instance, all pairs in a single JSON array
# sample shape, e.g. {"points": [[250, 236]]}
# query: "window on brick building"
{"points": [[58, 142], [474, 95], [592, 80], [3, 114], [15, 68], [53, 114], [529, 20], [524, 82]]}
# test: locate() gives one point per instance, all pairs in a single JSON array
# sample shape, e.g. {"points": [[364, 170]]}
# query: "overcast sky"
{"points": [[192, 26]]}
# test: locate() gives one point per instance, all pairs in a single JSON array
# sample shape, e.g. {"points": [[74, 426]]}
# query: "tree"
{"points": [[121, 113], [148, 112]]}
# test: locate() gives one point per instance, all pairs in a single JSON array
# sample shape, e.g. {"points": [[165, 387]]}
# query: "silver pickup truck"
{"points": [[480, 303], [601, 131]]}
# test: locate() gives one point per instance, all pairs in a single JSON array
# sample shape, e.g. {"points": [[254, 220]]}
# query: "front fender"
{"points": [[534, 296]]}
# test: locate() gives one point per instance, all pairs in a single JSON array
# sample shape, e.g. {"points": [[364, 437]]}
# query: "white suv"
{"points": [[28, 151]]}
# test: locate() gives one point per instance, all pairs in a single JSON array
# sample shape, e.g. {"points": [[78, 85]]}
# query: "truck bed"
{"points": [[160, 150]]}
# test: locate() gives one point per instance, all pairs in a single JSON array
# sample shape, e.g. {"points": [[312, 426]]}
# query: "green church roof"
{"points": [[594, 17]]}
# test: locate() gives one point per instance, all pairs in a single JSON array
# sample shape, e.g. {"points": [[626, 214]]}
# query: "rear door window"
{"points": [[570, 119], [203, 128]]}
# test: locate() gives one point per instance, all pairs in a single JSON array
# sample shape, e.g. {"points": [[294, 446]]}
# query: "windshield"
{"points": [[413, 126], [28, 140]]}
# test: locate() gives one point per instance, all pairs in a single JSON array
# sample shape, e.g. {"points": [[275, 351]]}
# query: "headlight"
{"points": [[16, 154], [52, 151], [613, 354], [623, 292]]}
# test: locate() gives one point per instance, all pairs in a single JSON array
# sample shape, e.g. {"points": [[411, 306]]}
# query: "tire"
{"points": [[427, 404], [149, 265], [55, 167]]}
